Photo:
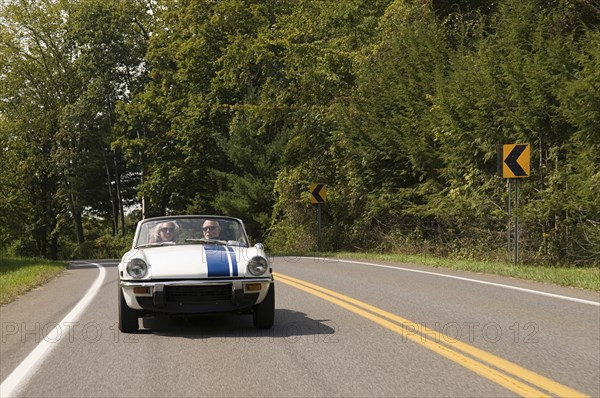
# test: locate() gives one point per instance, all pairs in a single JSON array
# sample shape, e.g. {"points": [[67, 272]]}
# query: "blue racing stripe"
{"points": [[233, 261], [217, 262]]}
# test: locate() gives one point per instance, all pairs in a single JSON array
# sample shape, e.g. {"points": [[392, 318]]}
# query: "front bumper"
{"points": [[195, 296]]}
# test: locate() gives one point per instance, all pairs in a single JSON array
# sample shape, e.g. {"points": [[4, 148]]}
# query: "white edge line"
{"points": [[34, 360], [540, 293]]}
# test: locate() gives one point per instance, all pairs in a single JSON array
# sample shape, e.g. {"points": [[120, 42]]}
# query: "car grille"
{"points": [[198, 294]]}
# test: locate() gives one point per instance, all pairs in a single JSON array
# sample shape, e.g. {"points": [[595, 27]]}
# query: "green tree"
{"points": [[168, 131], [382, 144], [579, 190], [108, 42], [32, 63], [322, 45], [505, 87], [65, 66]]}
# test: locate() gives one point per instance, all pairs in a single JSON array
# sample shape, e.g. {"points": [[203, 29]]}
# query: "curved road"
{"points": [[342, 328]]}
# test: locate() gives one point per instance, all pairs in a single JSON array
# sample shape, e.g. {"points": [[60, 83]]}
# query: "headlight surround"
{"points": [[258, 265], [137, 268]]}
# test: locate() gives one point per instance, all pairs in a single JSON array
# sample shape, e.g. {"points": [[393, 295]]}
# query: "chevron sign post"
{"points": [[514, 163], [318, 196]]}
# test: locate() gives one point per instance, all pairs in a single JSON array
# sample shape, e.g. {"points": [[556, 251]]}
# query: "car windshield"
{"points": [[168, 231]]}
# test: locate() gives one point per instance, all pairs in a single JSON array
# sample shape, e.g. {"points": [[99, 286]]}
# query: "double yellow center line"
{"points": [[505, 373]]}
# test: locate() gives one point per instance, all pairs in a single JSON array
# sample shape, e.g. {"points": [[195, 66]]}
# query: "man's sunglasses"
{"points": [[209, 228]]}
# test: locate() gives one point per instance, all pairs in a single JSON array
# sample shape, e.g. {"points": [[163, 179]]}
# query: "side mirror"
{"points": [[260, 246]]}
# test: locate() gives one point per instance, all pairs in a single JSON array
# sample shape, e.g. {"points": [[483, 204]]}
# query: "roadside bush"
{"points": [[22, 248], [109, 246], [103, 247]]}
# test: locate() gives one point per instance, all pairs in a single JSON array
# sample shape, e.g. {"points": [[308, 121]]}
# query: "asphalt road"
{"points": [[342, 329]]}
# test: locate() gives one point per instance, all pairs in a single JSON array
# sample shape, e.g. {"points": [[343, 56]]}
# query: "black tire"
{"points": [[128, 318], [264, 313]]}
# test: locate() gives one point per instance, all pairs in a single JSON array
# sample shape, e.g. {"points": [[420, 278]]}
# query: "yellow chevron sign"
{"points": [[515, 161], [318, 193]]}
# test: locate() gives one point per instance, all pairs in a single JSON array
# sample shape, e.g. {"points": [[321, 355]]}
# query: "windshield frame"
{"points": [[189, 231]]}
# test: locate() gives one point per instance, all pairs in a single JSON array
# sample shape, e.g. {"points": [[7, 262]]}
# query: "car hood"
{"points": [[195, 261]]}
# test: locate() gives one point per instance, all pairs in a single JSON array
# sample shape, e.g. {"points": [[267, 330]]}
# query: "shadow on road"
{"points": [[288, 324]]}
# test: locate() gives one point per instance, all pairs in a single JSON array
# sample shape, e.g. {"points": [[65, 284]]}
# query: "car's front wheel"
{"points": [[128, 318], [264, 313]]}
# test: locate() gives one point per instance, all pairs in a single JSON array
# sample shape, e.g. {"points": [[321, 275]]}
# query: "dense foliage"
{"points": [[111, 111]]}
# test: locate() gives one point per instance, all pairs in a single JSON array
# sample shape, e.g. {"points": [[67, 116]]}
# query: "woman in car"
{"points": [[167, 231]]}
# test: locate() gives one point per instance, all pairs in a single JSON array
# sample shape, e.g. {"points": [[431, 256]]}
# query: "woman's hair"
{"points": [[155, 237]]}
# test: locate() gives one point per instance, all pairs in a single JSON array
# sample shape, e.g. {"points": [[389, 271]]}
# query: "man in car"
{"points": [[211, 229]]}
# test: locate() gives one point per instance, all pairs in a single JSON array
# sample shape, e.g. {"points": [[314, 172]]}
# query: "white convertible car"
{"points": [[190, 265]]}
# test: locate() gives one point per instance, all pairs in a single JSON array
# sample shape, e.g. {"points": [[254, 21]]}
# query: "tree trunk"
{"points": [[118, 191], [75, 213], [77, 222], [113, 204]]}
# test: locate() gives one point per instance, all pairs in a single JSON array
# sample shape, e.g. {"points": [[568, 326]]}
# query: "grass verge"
{"points": [[587, 278], [19, 275]]}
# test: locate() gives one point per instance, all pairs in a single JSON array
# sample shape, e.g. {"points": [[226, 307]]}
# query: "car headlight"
{"points": [[137, 268], [258, 266]]}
